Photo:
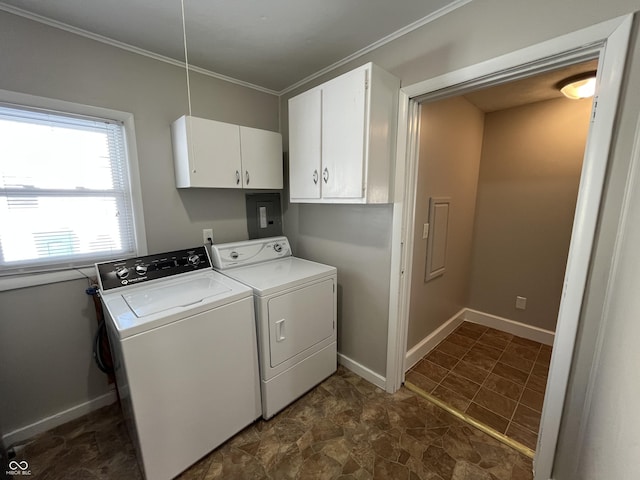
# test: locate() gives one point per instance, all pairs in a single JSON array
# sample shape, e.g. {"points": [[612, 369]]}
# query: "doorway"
{"points": [[607, 42], [503, 166]]}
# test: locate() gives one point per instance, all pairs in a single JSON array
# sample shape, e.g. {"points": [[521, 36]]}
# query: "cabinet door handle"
{"points": [[246, 174], [315, 177], [237, 177], [325, 174]]}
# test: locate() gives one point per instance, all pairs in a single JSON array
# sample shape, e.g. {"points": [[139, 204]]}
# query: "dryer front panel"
{"points": [[300, 319]]}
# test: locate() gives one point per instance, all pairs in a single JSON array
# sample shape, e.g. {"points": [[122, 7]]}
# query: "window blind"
{"points": [[64, 190]]}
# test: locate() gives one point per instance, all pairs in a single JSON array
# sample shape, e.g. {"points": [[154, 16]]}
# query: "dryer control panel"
{"points": [[249, 252], [133, 271]]}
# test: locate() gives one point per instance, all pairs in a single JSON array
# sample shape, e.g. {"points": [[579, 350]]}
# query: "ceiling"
{"points": [[527, 90], [271, 44]]}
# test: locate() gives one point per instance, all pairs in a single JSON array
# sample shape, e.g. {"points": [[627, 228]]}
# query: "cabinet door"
{"points": [[343, 135], [215, 153], [305, 145], [261, 158]]}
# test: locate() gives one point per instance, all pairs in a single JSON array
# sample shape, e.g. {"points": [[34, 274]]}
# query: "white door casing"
{"points": [[607, 41]]}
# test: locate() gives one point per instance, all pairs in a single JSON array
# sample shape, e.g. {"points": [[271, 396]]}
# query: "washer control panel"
{"points": [[249, 252], [133, 271]]}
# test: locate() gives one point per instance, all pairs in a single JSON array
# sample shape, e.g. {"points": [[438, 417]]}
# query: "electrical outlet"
{"points": [[207, 234], [521, 303]]}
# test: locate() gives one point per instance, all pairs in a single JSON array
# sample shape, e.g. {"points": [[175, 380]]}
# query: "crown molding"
{"points": [[383, 41], [130, 48], [178, 63]]}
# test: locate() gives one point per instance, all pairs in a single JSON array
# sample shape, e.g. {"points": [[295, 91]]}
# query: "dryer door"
{"points": [[300, 319]]}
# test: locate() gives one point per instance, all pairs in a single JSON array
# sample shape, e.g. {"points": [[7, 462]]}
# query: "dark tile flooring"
{"points": [[345, 429], [495, 377]]}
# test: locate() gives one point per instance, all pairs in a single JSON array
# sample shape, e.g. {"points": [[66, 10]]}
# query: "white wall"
{"points": [[479, 31], [528, 186], [46, 331], [611, 442], [451, 132], [42, 61]]}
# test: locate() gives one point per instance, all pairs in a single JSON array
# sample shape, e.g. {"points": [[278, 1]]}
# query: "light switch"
{"points": [[425, 231]]}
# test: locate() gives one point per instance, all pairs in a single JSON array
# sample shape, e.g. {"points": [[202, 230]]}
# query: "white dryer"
{"points": [[296, 307], [185, 353]]}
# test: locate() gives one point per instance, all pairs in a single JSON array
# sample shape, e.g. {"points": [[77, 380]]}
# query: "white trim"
{"points": [[632, 184], [510, 326], [47, 423], [11, 282], [429, 342], [364, 372], [455, 4], [565, 50], [408, 128], [379, 43], [610, 72], [610, 39], [23, 280], [129, 48]]}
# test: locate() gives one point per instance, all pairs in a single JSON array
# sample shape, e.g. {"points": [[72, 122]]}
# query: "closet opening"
{"points": [[606, 42], [498, 175]]}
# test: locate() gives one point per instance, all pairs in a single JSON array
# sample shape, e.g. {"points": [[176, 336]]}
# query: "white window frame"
{"points": [[22, 280]]}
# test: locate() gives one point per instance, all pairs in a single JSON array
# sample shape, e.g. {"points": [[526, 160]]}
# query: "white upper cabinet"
{"points": [[211, 154], [261, 153], [305, 129], [342, 139]]}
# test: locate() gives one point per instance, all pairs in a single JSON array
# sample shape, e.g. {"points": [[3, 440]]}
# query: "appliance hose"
{"points": [[101, 352]]}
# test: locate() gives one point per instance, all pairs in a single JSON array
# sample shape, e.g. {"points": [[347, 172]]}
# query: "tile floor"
{"points": [[343, 429], [493, 376]]}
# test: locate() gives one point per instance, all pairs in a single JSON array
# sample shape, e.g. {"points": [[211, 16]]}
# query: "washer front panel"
{"points": [[134, 271]]}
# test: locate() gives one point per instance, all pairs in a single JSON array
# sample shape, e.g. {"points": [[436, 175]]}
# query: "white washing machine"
{"points": [[295, 303], [185, 353]]}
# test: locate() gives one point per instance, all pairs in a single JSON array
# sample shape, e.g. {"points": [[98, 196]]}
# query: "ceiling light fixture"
{"points": [[579, 86]]}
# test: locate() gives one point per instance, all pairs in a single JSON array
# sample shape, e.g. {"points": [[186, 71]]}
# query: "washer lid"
{"points": [[277, 275], [147, 306], [164, 297]]}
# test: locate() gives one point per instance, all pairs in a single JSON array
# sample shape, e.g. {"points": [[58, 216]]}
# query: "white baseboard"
{"points": [[24, 433], [366, 373], [510, 326], [414, 355]]}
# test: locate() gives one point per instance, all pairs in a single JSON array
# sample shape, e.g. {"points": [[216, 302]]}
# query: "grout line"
{"points": [[518, 403], [449, 370], [482, 384], [510, 442], [485, 380], [476, 342]]}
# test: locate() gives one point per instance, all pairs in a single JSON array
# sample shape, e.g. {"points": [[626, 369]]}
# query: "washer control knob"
{"points": [[277, 247], [122, 272], [234, 255], [193, 259], [141, 269]]}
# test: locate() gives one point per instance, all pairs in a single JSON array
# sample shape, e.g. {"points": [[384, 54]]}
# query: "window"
{"points": [[65, 197]]}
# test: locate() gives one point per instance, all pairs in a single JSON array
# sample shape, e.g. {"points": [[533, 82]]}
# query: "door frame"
{"points": [[607, 41]]}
